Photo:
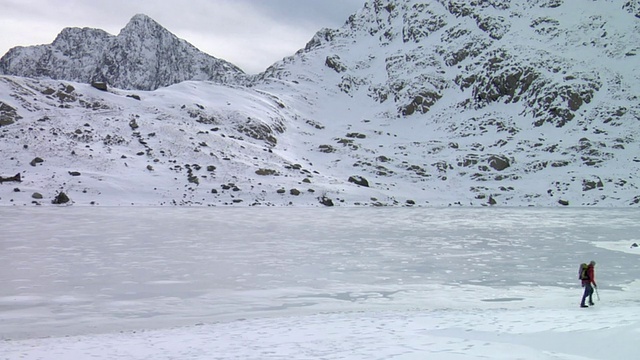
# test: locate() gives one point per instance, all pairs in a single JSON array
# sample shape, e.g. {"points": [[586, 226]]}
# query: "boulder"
{"points": [[61, 198], [102, 86], [359, 180]]}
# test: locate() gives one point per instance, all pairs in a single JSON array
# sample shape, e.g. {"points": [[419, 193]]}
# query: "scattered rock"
{"points": [[333, 62], [15, 178], [266, 172], [325, 201], [99, 85], [359, 180], [61, 198], [326, 148], [8, 114], [499, 162], [193, 179], [592, 184]]}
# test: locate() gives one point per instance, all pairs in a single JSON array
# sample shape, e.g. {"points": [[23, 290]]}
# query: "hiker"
{"points": [[588, 278]]}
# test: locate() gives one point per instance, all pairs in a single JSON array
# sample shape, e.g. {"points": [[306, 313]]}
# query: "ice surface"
{"points": [[302, 283]]}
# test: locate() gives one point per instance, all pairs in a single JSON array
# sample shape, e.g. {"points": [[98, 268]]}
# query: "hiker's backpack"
{"points": [[583, 272]]}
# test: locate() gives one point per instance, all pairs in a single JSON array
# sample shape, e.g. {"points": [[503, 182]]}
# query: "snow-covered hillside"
{"points": [[410, 103]]}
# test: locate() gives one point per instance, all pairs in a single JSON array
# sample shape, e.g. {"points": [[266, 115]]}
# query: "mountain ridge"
{"points": [[143, 56], [408, 104]]}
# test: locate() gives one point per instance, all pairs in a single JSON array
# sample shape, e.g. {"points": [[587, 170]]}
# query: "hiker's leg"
{"points": [[587, 291]]}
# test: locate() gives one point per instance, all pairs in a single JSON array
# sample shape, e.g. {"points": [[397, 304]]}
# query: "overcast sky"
{"points": [[251, 34]]}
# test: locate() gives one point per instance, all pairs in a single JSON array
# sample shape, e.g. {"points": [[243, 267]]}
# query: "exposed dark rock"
{"points": [[61, 198], [8, 114], [592, 184], [266, 172], [499, 162], [194, 179], [16, 178], [325, 201], [100, 85], [420, 23], [359, 180], [421, 103], [333, 62], [633, 7], [326, 148], [260, 131]]}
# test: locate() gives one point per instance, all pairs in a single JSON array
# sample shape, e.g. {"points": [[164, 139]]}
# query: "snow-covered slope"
{"points": [[144, 56], [409, 103]]}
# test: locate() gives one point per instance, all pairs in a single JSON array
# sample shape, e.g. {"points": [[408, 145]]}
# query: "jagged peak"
{"points": [[141, 17], [141, 23]]}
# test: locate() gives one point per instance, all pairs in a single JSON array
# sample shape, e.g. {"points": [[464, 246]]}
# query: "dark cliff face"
{"points": [[144, 56], [543, 56]]}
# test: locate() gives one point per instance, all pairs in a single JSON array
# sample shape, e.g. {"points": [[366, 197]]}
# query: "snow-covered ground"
{"points": [[412, 103], [316, 283]]}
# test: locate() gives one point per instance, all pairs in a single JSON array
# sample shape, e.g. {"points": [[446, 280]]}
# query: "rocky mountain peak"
{"points": [[74, 36], [142, 25], [144, 56]]}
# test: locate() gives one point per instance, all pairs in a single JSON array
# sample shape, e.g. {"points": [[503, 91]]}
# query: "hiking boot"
{"points": [[583, 305], [591, 303]]}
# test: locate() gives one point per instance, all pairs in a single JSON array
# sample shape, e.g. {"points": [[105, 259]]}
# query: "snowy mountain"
{"points": [[144, 56], [410, 103]]}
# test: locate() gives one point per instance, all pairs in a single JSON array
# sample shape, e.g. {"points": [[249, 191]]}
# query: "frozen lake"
{"points": [[79, 270]]}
